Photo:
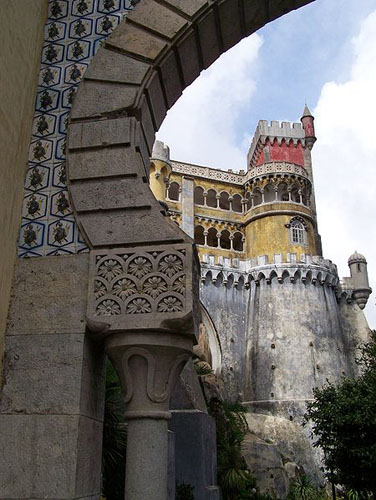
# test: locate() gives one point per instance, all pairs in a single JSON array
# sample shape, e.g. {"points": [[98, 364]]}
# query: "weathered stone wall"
{"points": [[51, 405], [227, 307], [21, 36], [294, 341]]}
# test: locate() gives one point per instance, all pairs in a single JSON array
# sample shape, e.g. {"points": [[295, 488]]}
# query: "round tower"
{"points": [[278, 190], [160, 170], [359, 279]]}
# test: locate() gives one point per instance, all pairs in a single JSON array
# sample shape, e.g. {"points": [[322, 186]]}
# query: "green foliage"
{"points": [[234, 477], [184, 492], [344, 426], [303, 489], [114, 438]]}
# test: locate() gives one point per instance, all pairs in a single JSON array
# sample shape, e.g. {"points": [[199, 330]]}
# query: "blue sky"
{"points": [[324, 53]]}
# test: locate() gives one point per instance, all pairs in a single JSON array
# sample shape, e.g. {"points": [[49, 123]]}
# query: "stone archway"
{"points": [[132, 81], [137, 75]]}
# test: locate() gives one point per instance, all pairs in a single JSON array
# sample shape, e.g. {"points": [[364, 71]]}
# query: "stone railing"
{"points": [[280, 167], [208, 173]]}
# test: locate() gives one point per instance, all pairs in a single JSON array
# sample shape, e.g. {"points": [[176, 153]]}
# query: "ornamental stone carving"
{"points": [[154, 284]]}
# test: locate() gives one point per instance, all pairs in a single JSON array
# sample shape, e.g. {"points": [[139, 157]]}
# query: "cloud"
{"points": [[201, 127], [345, 160]]}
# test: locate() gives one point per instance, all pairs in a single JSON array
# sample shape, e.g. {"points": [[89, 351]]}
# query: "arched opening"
{"points": [[199, 235], [237, 242], [225, 240], [199, 196], [269, 194], [224, 202], [212, 238], [211, 199], [257, 197], [295, 196], [283, 194], [173, 192], [237, 203]]}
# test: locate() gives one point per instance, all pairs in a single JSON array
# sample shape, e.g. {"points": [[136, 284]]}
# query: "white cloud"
{"points": [[345, 160], [201, 127]]}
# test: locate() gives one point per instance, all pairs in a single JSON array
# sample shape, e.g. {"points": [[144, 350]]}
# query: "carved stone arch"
{"points": [[214, 342], [138, 74]]}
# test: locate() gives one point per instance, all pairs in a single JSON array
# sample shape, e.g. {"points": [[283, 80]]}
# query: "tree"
{"points": [[344, 425]]}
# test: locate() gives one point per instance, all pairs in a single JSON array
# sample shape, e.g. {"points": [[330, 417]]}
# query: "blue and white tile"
{"points": [[44, 125], [37, 177], [41, 150], [80, 28], [61, 232], [35, 206], [47, 100], [58, 9], [82, 7], [49, 76], [32, 234], [59, 203]]}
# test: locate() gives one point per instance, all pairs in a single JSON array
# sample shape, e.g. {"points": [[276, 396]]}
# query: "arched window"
{"points": [[257, 198], [298, 232], [199, 196], [237, 242], [199, 235], [237, 203], [225, 239], [211, 199], [174, 191], [212, 237], [269, 194], [224, 202], [283, 194]]}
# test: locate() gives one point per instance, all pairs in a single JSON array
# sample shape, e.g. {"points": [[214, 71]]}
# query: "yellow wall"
{"points": [[268, 236], [21, 36], [263, 226]]}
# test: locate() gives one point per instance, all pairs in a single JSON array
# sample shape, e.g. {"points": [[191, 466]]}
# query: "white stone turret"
{"points": [[359, 279]]}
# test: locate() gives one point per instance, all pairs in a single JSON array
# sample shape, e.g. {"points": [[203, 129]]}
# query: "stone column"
{"points": [[143, 305], [187, 201], [148, 365], [206, 238]]}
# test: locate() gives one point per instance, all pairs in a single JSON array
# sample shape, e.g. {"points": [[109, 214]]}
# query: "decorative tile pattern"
{"points": [[73, 33]]}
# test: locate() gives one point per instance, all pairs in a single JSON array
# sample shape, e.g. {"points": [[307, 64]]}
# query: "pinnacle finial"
{"points": [[306, 111]]}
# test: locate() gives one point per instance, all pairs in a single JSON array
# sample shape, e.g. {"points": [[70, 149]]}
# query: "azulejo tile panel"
{"points": [[74, 31]]}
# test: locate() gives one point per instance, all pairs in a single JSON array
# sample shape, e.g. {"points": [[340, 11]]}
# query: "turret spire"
{"points": [[308, 126]]}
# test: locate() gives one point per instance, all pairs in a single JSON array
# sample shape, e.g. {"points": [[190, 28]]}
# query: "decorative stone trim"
{"points": [[152, 284]]}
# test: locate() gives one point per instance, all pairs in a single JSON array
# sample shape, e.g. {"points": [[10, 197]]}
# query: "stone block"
{"points": [[52, 366], [144, 148], [104, 162], [195, 452], [255, 16], [53, 291], [171, 79], [89, 457], [42, 458], [123, 227], [156, 98], [93, 380], [189, 58], [109, 194], [147, 122], [108, 65], [187, 394], [102, 97], [229, 19], [209, 43], [136, 41], [189, 7], [100, 133], [157, 18]]}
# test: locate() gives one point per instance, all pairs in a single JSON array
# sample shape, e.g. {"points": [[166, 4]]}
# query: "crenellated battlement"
{"points": [[235, 272], [276, 130]]}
